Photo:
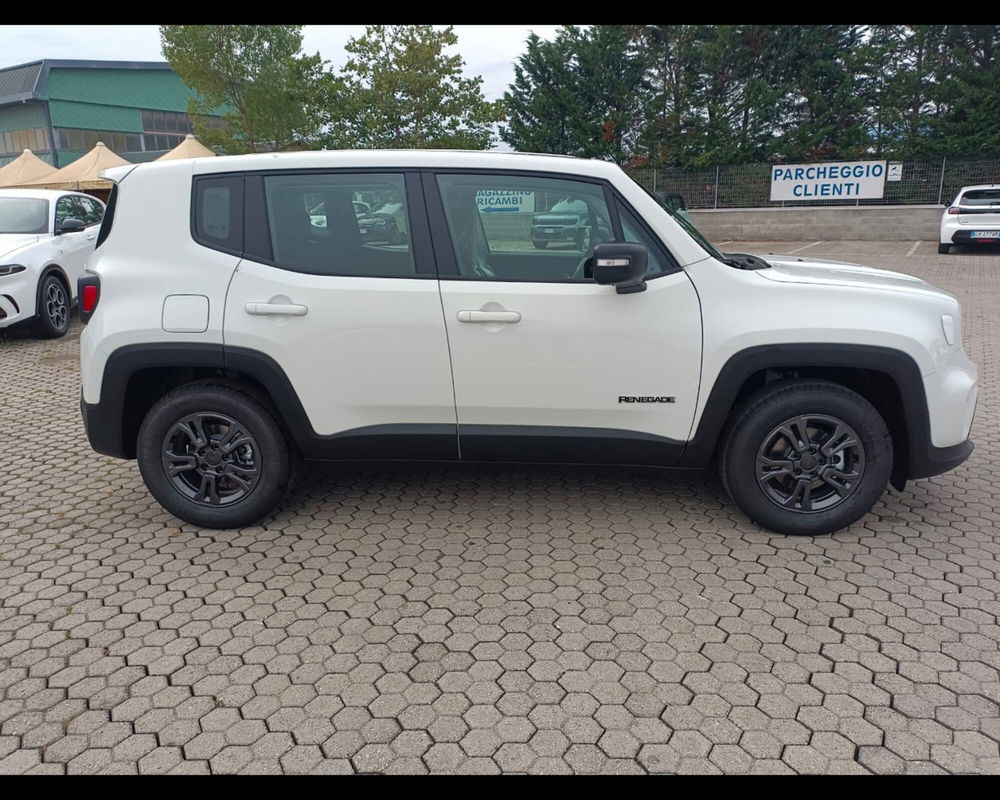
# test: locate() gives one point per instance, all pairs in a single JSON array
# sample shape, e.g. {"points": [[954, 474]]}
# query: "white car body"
{"points": [[973, 217], [40, 252], [386, 354]]}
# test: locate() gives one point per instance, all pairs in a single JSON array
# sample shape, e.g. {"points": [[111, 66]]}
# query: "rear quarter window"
{"points": [[217, 212]]}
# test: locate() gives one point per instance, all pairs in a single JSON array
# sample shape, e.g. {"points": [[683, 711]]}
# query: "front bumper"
{"points": [[18, 297], [937, 460], [548, 233]]}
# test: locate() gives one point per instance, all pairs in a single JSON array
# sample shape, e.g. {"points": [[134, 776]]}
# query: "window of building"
{"points": [[82, 140], [167, 122], [162, 141], [34, 139]]}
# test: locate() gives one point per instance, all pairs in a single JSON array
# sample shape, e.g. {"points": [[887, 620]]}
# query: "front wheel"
{"points": [[806, 457], [943, 249], [214, 456], [53, 309]]}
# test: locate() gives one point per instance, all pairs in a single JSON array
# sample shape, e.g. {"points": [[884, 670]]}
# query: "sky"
{"points": [[488, 50]]}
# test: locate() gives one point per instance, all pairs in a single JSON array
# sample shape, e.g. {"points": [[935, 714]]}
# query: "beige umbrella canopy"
{"points": [[26, 167], [189, 148], [84, 173]]}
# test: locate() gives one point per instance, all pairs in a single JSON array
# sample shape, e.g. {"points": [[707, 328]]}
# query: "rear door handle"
{"points": [[275, 309], [489, 316]]}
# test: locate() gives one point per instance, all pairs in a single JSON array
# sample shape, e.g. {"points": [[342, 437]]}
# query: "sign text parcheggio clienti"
{"points": [[847, 180]]}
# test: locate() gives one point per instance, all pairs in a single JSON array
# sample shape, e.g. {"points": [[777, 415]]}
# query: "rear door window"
{"points": [[339, 223]]}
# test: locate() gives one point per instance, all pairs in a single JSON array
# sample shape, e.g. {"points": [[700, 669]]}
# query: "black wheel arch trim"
{"points": [[105, 422], [924, 460]]}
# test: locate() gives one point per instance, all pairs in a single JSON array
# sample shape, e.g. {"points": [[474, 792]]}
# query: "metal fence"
{"points": [[929, 182]]}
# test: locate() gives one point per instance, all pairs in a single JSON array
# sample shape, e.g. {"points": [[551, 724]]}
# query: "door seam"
{"points": [[444, 317]]}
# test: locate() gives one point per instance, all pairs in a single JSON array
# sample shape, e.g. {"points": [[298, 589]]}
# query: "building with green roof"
{"points": [[60, 109]]}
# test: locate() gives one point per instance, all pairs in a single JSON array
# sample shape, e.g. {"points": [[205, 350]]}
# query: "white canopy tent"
{"points": [[189, 148], [26, 167]]}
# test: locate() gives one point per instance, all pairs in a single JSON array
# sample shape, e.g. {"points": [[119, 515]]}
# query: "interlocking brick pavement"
{"points": [[484, 619]]}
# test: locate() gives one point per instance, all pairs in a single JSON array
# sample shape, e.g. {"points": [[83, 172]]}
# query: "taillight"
{"points": [[954, 210], [89, 299], [89, 292]]}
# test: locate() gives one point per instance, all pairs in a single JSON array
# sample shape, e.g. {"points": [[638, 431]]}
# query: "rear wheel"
{"points": [[214, 456], [539, 245], [53, 308], [806, 457], [943, 249]]}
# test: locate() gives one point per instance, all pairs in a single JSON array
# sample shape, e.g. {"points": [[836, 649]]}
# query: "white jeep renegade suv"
{"points": [[231, 332]]}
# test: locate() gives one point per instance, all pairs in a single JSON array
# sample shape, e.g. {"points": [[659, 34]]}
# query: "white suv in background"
{"points": [[45, 238], [972, 218], [230, 333]]}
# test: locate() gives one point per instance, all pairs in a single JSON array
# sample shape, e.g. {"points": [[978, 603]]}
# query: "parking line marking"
{"points": [[913, 249], [717, 244], [800, 249]]}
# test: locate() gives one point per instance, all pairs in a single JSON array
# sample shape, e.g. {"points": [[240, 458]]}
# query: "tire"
{"points": [[248, 481], [943, 249], [53, 308], [539, 245], [777, 497]]}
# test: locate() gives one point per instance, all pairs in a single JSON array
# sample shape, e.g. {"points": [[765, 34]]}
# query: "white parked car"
{"points": [[227, 336], [45, 238], [972, 218]]}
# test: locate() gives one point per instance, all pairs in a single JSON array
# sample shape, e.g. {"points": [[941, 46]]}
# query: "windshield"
{"points": [[24, 215], [691, 230]]}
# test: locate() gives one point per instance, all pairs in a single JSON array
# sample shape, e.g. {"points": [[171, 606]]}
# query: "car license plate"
{"points": [[986, 234], [548, 230]]}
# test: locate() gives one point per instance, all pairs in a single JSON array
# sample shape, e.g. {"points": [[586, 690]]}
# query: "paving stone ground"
{"points": [[484, 619]]}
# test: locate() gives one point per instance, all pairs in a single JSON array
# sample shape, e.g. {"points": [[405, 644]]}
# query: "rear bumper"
{"points": [[965, 237], [103, 428]]}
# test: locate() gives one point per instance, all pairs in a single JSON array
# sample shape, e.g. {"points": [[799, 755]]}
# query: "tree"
{"points": [[400, 89], [580, 94], [825, 118], [272, 97], [540, 100]]}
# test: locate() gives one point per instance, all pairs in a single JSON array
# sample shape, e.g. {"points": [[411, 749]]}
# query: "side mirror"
{"points": [[72, 225], [622, 265]]}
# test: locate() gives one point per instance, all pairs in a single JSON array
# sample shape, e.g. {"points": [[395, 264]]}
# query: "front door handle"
{"points": [[275, 309], [489, 316]]}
